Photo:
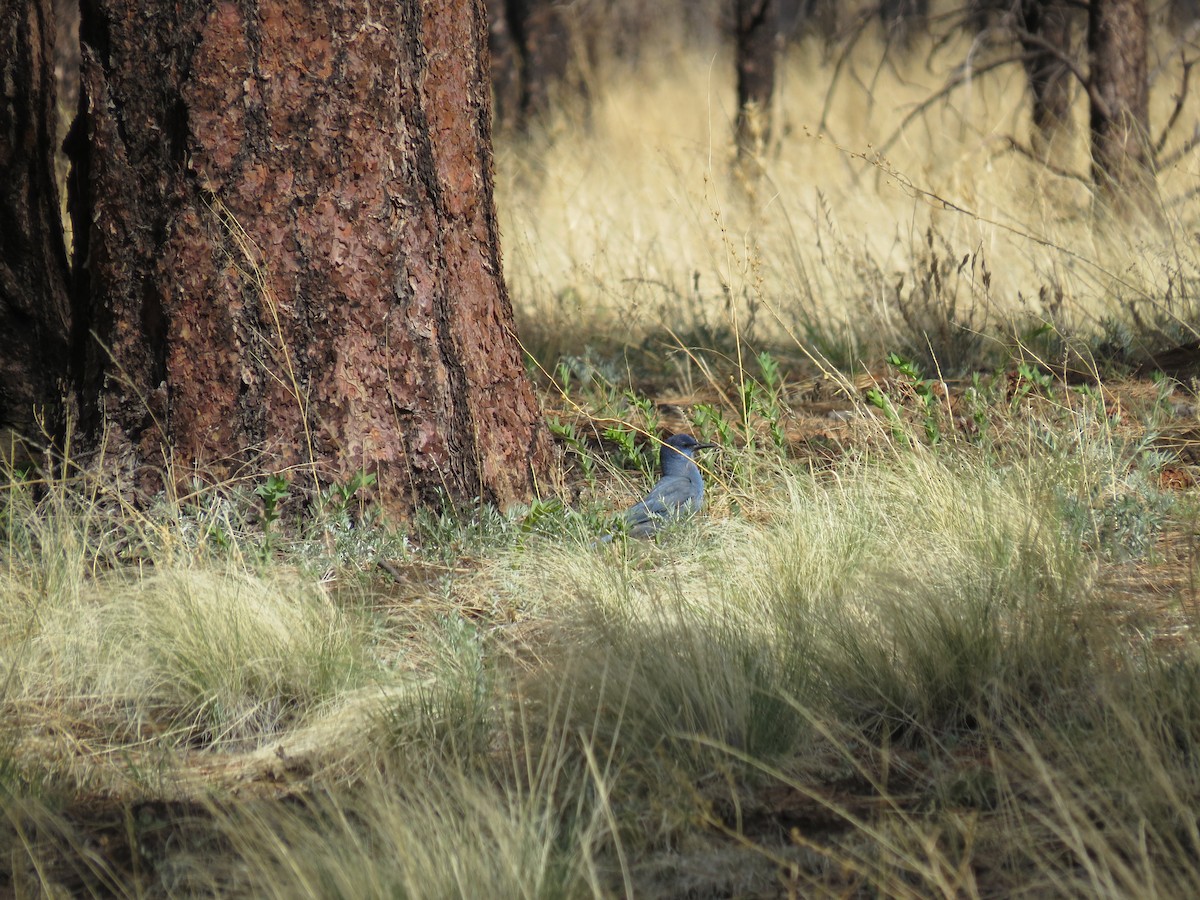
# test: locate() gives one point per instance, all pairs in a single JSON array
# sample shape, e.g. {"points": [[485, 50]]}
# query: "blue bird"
{"points": [[680, 491]]}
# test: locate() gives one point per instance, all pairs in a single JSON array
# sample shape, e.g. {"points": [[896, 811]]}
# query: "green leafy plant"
{"points": [[645, 409], [633, 454], [759, 399], [273, 491], [922, 389], [883, 402], [977, 399], [1030, 380], [569, 435], [339, 498]]}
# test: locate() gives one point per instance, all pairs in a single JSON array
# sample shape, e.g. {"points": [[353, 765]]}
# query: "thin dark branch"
{"points": [[1021, 149], [390, 569], [1031, 39], [959, 78], [1179, 99], [843, 59], [1187, 39], [1188, 146]]}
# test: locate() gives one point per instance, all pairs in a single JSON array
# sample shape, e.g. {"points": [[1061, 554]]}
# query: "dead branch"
{"points": [[1188, 146], [1179, 100], [1028, 153], [854, 33], [959, 78]]}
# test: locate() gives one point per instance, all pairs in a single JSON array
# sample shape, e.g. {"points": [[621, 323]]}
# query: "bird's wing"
{"points": [[671, 496]]}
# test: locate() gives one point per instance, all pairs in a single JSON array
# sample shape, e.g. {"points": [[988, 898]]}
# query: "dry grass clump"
{"points": [[905, 654], [938, 593], [873, 647], [124, 621], [448, 836], [727, 652], [208, 656], [846, 605]]}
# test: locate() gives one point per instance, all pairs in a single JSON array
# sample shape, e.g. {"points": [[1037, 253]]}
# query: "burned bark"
{"points": [[284, 212], [33, 261], [1122, 159]]}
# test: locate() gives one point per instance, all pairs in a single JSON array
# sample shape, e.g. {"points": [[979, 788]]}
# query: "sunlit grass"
{"points": [[634, 226], [447, 836], [216, 656], [920, 624], [893, 669]]}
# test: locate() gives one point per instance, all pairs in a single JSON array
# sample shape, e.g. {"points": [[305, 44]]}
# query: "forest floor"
{"points": [[934, 634], [528, 719]]}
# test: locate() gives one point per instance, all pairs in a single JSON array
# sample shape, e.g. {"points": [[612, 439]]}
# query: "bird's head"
{"points": [[677, 446]]}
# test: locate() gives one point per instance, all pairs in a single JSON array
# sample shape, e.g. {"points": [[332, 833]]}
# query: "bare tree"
{"points": [[33, 262], [288, 248]]}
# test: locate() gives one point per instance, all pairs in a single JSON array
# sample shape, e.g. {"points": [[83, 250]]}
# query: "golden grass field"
{"points": [[933, 635], [634, 220]]}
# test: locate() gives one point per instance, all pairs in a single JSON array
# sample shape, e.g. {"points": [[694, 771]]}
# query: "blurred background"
{"points": [[836, 181]]}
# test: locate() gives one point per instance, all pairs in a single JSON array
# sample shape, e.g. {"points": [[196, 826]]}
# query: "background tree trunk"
{"points": [[903, 18], [1122, 164], [1183, 13], [285, 217], [541, 33], [756, 47], [1045, 37], [536, 58], [33, 262], [505, 67], [797, 18]]}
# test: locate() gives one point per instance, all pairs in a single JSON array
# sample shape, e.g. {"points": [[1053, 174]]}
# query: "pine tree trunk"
{"points": [[1122, 164], [505, 67], [33, 262], [287, 227], [1045, 37], [535, 59], [756, 47]]}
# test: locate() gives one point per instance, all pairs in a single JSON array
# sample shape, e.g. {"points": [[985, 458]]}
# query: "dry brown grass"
{"points": [[633, 227], [926, 651]]}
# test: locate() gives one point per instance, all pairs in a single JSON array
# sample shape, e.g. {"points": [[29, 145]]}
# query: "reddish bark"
{"points": [[292, 245]]}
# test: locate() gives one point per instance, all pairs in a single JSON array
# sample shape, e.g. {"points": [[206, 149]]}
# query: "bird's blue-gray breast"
{"points": [[679, 492]]}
